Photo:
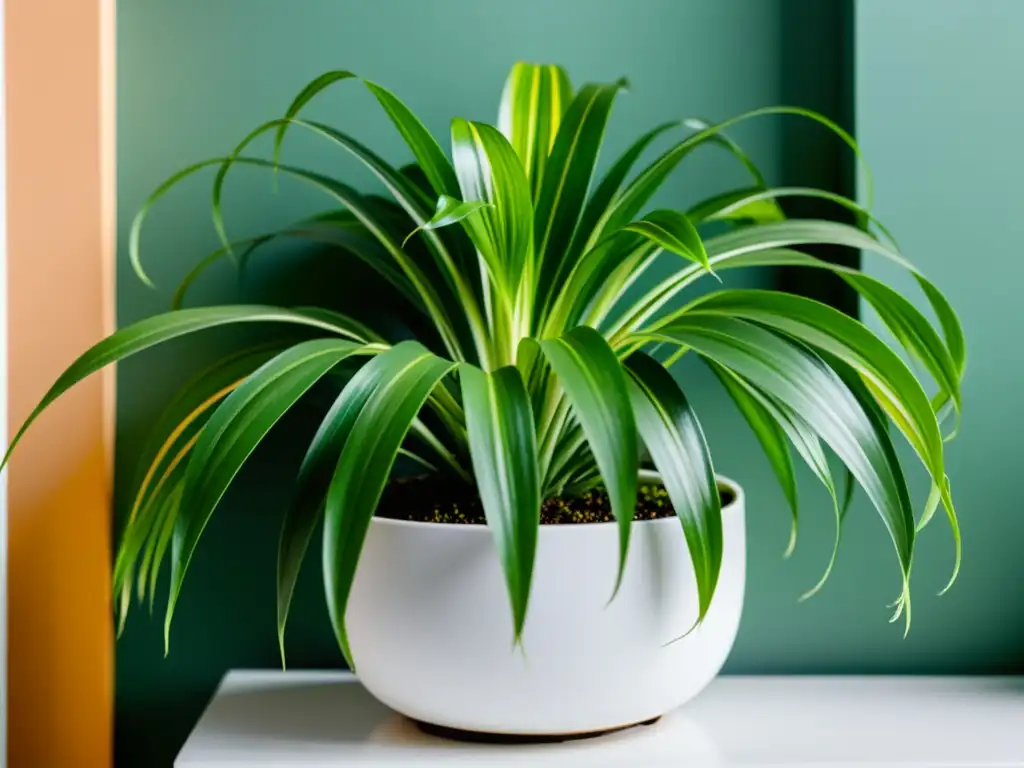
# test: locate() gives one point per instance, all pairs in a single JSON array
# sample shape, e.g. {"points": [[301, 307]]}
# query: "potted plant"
{"points": [[563, 560]]}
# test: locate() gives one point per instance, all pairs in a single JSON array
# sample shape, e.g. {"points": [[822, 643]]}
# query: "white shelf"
{"points": [[272, 719]]}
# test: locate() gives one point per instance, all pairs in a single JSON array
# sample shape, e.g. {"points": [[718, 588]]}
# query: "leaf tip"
{"points": [[280, 648], [791, 544], [953, 577]]}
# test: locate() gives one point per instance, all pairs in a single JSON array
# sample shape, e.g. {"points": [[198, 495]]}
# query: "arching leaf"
{"points": [[365, 466], [503, 446], [673, 435], [239, 424], [596, 386]]}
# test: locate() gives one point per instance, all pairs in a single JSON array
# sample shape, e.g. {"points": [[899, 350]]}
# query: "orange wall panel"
{"points": [[60, 187]]}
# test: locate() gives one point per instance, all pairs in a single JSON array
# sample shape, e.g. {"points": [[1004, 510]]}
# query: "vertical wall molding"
{"points": [[3, 397], [60, 90]]}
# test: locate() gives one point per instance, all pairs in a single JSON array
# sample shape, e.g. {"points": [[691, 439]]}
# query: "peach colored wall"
{"points": [[60, 187]]}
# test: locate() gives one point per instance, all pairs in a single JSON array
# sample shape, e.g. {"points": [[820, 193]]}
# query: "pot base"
{"points": [[483, 737]]}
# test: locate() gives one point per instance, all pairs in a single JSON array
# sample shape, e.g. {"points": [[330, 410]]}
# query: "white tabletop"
{"points": [[273, 719]]}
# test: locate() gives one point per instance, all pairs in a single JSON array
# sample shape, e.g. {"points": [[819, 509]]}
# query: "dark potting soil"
{"points": [[433, 501]]}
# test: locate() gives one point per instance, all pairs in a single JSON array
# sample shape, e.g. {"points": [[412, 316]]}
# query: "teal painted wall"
{"points": [[939, 109], [194, 76]]}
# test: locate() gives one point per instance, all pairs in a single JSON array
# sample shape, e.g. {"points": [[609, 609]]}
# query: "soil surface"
{"points": [[432, 501]]}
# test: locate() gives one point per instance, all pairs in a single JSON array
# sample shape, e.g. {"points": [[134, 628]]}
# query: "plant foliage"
{"points": [[542, 376]]}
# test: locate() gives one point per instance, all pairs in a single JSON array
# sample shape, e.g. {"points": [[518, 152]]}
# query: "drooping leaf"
{"points": [[189, 410], [770, 415], [773, 442], [155, 330], [807, 386], [365, 466], [532, 104], [453, 273], [596, 386], [432, 292], [869, 395], [503, 447], [767, 245], [797, 232], [237, 426], [893, 388], [135, 233], [897, 390], [161, 542], [307, 506], [162, 462], [672, 434]]}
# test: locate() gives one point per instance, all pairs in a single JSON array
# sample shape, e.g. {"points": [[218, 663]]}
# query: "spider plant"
{"points": [[537, 374]]}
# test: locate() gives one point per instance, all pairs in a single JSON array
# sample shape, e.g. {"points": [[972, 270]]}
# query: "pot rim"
{"points": [[735, 488]]}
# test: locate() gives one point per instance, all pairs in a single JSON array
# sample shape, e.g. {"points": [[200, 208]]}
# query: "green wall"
{"points": [[939, 110], [194, 76]]}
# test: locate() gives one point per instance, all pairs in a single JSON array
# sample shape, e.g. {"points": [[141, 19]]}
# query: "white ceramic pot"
{"points": [[431, 631]]}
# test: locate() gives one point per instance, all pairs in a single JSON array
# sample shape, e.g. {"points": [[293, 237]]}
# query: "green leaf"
{"points": [[672, 231], [503, 447], [673, 436], [163, 535], [433, 301], [135, 234], [365, 465], [314, 87], [425, 148], [431, 291], [903, 319], [163, 460], [807, 386], [605, 273], [449, 211], [567, 180], [773, 442], [596, 387], [189, 409], [532, 104], [314, 479], [627, 205], [489, 171], [773, 415], [410, 199], [237, 426], [606, 190], [896, 388], [797, 232], [722, 140], [766, 245], [155, 330], [740, 205]]}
